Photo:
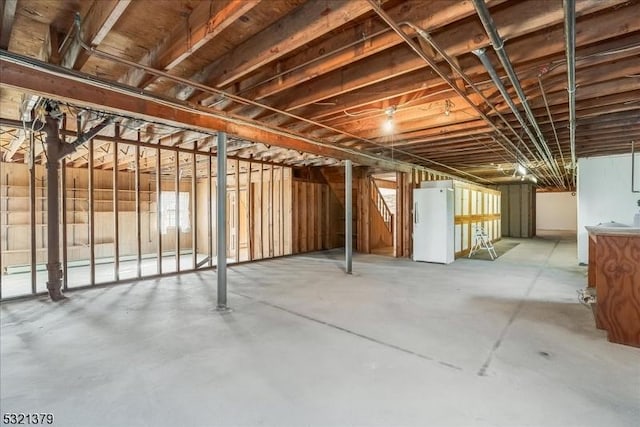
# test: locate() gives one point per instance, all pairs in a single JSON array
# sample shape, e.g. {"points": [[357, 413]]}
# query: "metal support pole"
{"points": [[32, 209], [194, 208], [260, 214], [348, 237], [177, 205], [221, 220], [138, 212], [281, 201], [570, 35], [209, 212], [92, 222], [236, 212], [6, 201], [250, 215], [116, 212], [271, 212], [63, 191], [159, 209], [54, 154], [65, 257]]}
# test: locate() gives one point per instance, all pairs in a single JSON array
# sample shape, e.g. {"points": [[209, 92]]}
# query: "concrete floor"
{"points": [[18, 283], [501, 343]]}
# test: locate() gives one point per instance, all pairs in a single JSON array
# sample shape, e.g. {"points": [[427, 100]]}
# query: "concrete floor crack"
{"points": [[349, 331], [483, 369]]}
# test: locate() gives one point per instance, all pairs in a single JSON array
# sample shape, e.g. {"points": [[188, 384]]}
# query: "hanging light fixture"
{"points": [[388, 125], [447, 107]]}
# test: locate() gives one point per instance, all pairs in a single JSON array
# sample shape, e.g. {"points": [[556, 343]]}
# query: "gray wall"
{"points": [[518, 210]]}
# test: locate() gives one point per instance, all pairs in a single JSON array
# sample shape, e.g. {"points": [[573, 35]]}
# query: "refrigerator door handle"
{"points": [[415, 213]]}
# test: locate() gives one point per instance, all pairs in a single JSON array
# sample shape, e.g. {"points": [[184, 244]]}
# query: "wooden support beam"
{"points": [[47, 80], [8, 16], [357, 44], [184, 42], [308, 22], [17, 141]]}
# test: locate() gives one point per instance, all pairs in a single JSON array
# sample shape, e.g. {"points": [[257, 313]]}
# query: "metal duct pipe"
{"points": [[570, 34], [427, 37], [482, 55], [385, 17], [553, 127], [498, 46]]}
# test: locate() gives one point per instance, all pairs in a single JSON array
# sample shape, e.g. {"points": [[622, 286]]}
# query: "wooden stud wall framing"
{"points": [[113, 213], [118, 212]]}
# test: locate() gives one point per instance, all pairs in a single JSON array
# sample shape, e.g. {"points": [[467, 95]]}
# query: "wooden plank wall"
{"points": [[475, 206], [316, 217], [334, 177], [362, 213], [403, 240], [258, 211]]}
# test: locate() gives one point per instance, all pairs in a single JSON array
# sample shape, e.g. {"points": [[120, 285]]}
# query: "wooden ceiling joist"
{"points": [[8, 16], [54, 82], [291, 77], [186, 41], [95, 26], [295, 30]]}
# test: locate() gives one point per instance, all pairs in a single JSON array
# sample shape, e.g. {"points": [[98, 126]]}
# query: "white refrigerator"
{"points": [[433, 226]]}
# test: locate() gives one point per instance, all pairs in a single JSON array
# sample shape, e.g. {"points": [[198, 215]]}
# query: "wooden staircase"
{"points": [[380, 219], [378, 232], [381, 206]]}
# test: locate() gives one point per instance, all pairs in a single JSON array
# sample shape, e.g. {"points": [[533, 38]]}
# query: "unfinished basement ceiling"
{"points": [[333, 71]]}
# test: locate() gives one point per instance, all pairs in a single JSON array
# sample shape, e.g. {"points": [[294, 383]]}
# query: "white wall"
{"points": [[556, 211], [604, 194]]}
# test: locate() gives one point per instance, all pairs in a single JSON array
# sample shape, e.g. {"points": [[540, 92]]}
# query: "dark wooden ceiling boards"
{"points": [[339, 66]]}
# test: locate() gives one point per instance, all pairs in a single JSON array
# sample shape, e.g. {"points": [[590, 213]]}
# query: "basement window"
{"points": [[168, 216]]}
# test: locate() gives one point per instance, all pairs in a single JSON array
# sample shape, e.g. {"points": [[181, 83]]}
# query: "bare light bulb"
{"points": [[521, 170], [387, 125]]}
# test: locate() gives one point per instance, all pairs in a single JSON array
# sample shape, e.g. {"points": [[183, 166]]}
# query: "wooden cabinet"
{"points": [[614, 270]]}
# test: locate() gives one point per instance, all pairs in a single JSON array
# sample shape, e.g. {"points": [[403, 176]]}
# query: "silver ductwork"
{"points": [[498, 46], [570, 34]]}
